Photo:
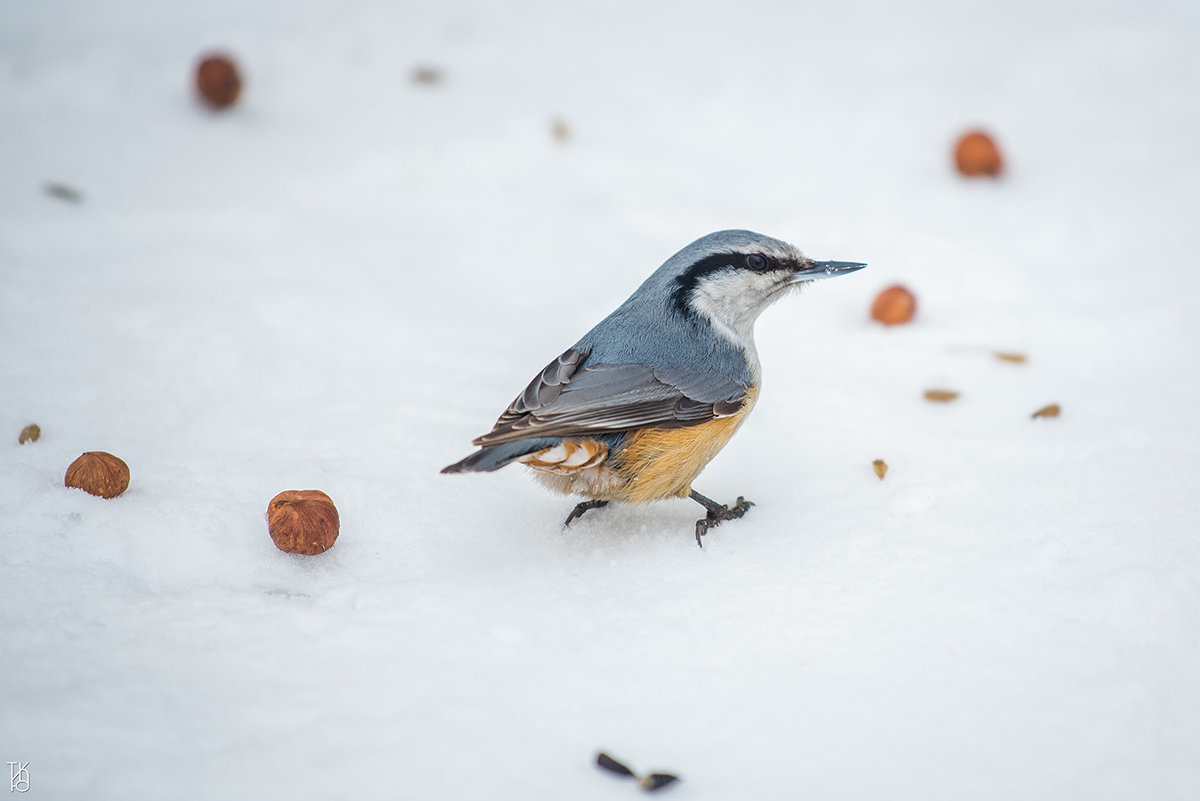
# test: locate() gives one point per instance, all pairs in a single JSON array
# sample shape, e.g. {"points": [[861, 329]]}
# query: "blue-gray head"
{"points": [[726, 279]]}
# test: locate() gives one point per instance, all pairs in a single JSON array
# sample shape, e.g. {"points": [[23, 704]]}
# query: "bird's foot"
{"points": [[578, 511], [718, 513]]}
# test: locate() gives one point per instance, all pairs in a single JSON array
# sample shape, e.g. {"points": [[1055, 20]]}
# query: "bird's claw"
{"points": [[579, 510], [719, 514]]}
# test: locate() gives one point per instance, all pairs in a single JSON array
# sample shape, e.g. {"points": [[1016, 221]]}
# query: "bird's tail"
{"points": [[485, 460]]}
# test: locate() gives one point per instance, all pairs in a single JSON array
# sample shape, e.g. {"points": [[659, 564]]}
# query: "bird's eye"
{"points": [[757, 262]]}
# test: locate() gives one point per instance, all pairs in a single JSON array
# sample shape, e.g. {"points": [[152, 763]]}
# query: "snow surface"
{"points": [[340, 282]]}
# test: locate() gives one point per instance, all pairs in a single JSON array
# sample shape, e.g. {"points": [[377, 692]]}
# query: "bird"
{"points": [[636, 409]]}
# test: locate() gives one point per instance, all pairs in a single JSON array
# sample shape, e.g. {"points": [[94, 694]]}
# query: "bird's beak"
{"points": [[814, 270]]}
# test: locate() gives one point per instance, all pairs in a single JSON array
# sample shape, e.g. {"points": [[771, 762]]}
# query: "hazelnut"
{"points": [[880, 468], [98, 473], [217, 81], [1012, 358], [940, 395], [976, 154], [894, 305], [1053, 410], [30, 433], [560, 130], [303, 521], [63, 192], [427, 75]]}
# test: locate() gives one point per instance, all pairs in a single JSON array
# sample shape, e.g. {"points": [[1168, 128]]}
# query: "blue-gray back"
{"points": [[649, 329]]}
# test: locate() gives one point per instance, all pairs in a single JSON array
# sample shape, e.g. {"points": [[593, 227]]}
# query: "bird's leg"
{"points": [[583, 507], [717, 513]]}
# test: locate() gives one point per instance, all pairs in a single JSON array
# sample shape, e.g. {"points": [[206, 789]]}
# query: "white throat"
{"points": [[732, 300]]}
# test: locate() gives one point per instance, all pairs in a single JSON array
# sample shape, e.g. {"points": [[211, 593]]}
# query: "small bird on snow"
{"points": [[635, 409]]}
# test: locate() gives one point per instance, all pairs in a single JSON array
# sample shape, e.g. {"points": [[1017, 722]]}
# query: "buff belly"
{"points": [[651, 464]]}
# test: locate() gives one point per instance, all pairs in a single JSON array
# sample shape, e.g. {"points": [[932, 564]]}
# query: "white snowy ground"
{"points": [[342, 281]]}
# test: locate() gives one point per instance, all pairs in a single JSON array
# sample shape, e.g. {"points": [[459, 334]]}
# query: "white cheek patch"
{"points": [[732, 300]]}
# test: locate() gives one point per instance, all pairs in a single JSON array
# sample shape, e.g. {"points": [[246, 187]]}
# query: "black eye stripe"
{"points": [[686, 281]]}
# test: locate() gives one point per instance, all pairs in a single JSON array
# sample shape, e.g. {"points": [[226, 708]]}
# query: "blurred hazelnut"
{"points": [[1053, 410], [1011, 358], [217, 81], [30, 433], [63, 192], [940, 395], [976, 154], [303, 521], [894, 305], [427, 75], [880, 468], [560, 130], [98, 473]]}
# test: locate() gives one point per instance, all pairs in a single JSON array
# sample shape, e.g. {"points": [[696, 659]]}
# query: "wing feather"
{"points": [[571, 397]]}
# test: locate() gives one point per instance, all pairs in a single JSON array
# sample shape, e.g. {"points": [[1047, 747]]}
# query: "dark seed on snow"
{"points": [[656, 781], [610, 764]]}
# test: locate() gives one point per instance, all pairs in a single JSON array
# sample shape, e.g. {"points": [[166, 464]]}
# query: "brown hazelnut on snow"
{"points": [[427, 74], [98, 473], [303, 521], [30, 433], [894, 305], [217, 81], [976, 154], [1053, 410]]}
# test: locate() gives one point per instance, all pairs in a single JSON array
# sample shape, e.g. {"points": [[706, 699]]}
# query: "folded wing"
{"points": [[573, 397]]}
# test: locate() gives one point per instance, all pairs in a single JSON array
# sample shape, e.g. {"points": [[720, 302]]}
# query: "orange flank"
{"points": [[662, 462], [654, 463]]}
